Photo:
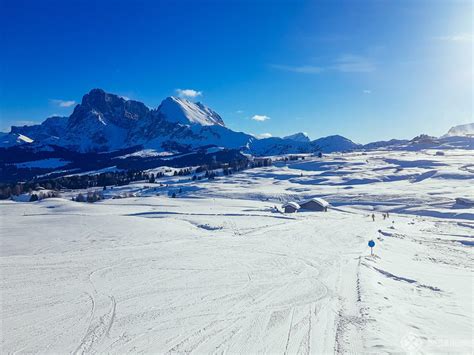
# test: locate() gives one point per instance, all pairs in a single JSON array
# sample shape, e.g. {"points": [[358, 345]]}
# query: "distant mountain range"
{"points": [[105, 127], [104, 122]]}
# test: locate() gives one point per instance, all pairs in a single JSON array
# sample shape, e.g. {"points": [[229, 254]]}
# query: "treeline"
{"points": [[117, 178], [121, 178]]}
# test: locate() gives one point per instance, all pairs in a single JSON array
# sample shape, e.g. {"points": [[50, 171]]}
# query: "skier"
{"points": [[373, 217]]}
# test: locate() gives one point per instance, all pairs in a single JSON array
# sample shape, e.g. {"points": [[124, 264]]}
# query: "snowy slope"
{"points": [[52, 128], [335, 143], [466, 130], [12, 139], [219, 269], [278, 146], [183, 111]]}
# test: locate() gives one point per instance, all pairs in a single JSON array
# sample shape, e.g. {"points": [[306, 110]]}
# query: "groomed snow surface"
{"points": [[219, 269]]}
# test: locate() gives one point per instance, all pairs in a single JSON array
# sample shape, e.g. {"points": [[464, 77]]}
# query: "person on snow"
{"points": [[373, 217]]}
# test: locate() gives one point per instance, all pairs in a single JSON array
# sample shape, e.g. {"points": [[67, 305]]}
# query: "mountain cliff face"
{"points": [[104, 122]]}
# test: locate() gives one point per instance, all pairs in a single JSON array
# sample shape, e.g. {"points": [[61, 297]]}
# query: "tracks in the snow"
{"points": [[101, 320]]}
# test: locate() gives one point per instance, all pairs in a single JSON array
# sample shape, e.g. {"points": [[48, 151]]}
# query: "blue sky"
{"points": [[367, 70]]}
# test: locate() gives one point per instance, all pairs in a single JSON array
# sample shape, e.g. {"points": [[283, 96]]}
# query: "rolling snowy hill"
{"points": [[221, 269]]}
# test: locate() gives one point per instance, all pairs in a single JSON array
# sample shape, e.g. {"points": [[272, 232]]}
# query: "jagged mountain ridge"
{"points": [[105, 122]]}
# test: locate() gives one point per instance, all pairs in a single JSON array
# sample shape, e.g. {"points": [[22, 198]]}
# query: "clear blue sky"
{"points": [[368, 70]]}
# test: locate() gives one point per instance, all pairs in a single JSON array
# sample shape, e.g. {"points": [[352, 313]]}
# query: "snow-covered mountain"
{"points": [[279, 146], [107, 131], [465, 130], [299, 137], [385, 144], [185, 112], [105, 122], [48, 132]]}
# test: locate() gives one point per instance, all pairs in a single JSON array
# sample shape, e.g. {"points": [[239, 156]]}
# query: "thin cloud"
{"points": [[305, 69], [190, 93], [348, 63], [460, 37], [264, 135], [260, 118], [63, 103], [366, 91]]}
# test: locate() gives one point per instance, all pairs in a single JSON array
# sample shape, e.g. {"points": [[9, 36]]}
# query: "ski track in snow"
{"points": [[220, 271]]}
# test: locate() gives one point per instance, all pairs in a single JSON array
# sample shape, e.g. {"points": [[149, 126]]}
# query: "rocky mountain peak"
{"points": [[179, 110]]}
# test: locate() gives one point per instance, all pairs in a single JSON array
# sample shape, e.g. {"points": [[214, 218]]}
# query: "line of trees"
{"points": [[120, 178]]}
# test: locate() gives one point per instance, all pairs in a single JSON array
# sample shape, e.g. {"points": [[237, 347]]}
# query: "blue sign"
{"points": [[371, 243]]}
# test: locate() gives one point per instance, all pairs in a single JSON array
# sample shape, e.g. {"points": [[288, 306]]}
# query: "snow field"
{"points": [[219, 270]]}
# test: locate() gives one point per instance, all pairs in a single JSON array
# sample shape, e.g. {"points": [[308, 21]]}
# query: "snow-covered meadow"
{"points": [[220, 269]]}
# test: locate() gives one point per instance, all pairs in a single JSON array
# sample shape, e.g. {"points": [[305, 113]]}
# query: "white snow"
{"points": [[146, 153], [25, 139], [182, 111], [12, 139], [466, 130], [219, 269]]}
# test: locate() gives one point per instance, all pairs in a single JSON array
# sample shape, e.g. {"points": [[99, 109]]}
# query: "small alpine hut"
{"points": [[316, 204], [291, 207]]}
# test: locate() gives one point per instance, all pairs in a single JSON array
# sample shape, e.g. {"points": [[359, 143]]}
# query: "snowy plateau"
{"points": [[221, 269]]}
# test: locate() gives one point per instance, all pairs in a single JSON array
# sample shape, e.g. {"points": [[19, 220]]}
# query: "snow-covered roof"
{"points": [[292, 204], [319, 201]]}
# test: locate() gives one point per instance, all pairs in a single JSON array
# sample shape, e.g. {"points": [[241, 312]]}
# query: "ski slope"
{"points": [[219, 269]]}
